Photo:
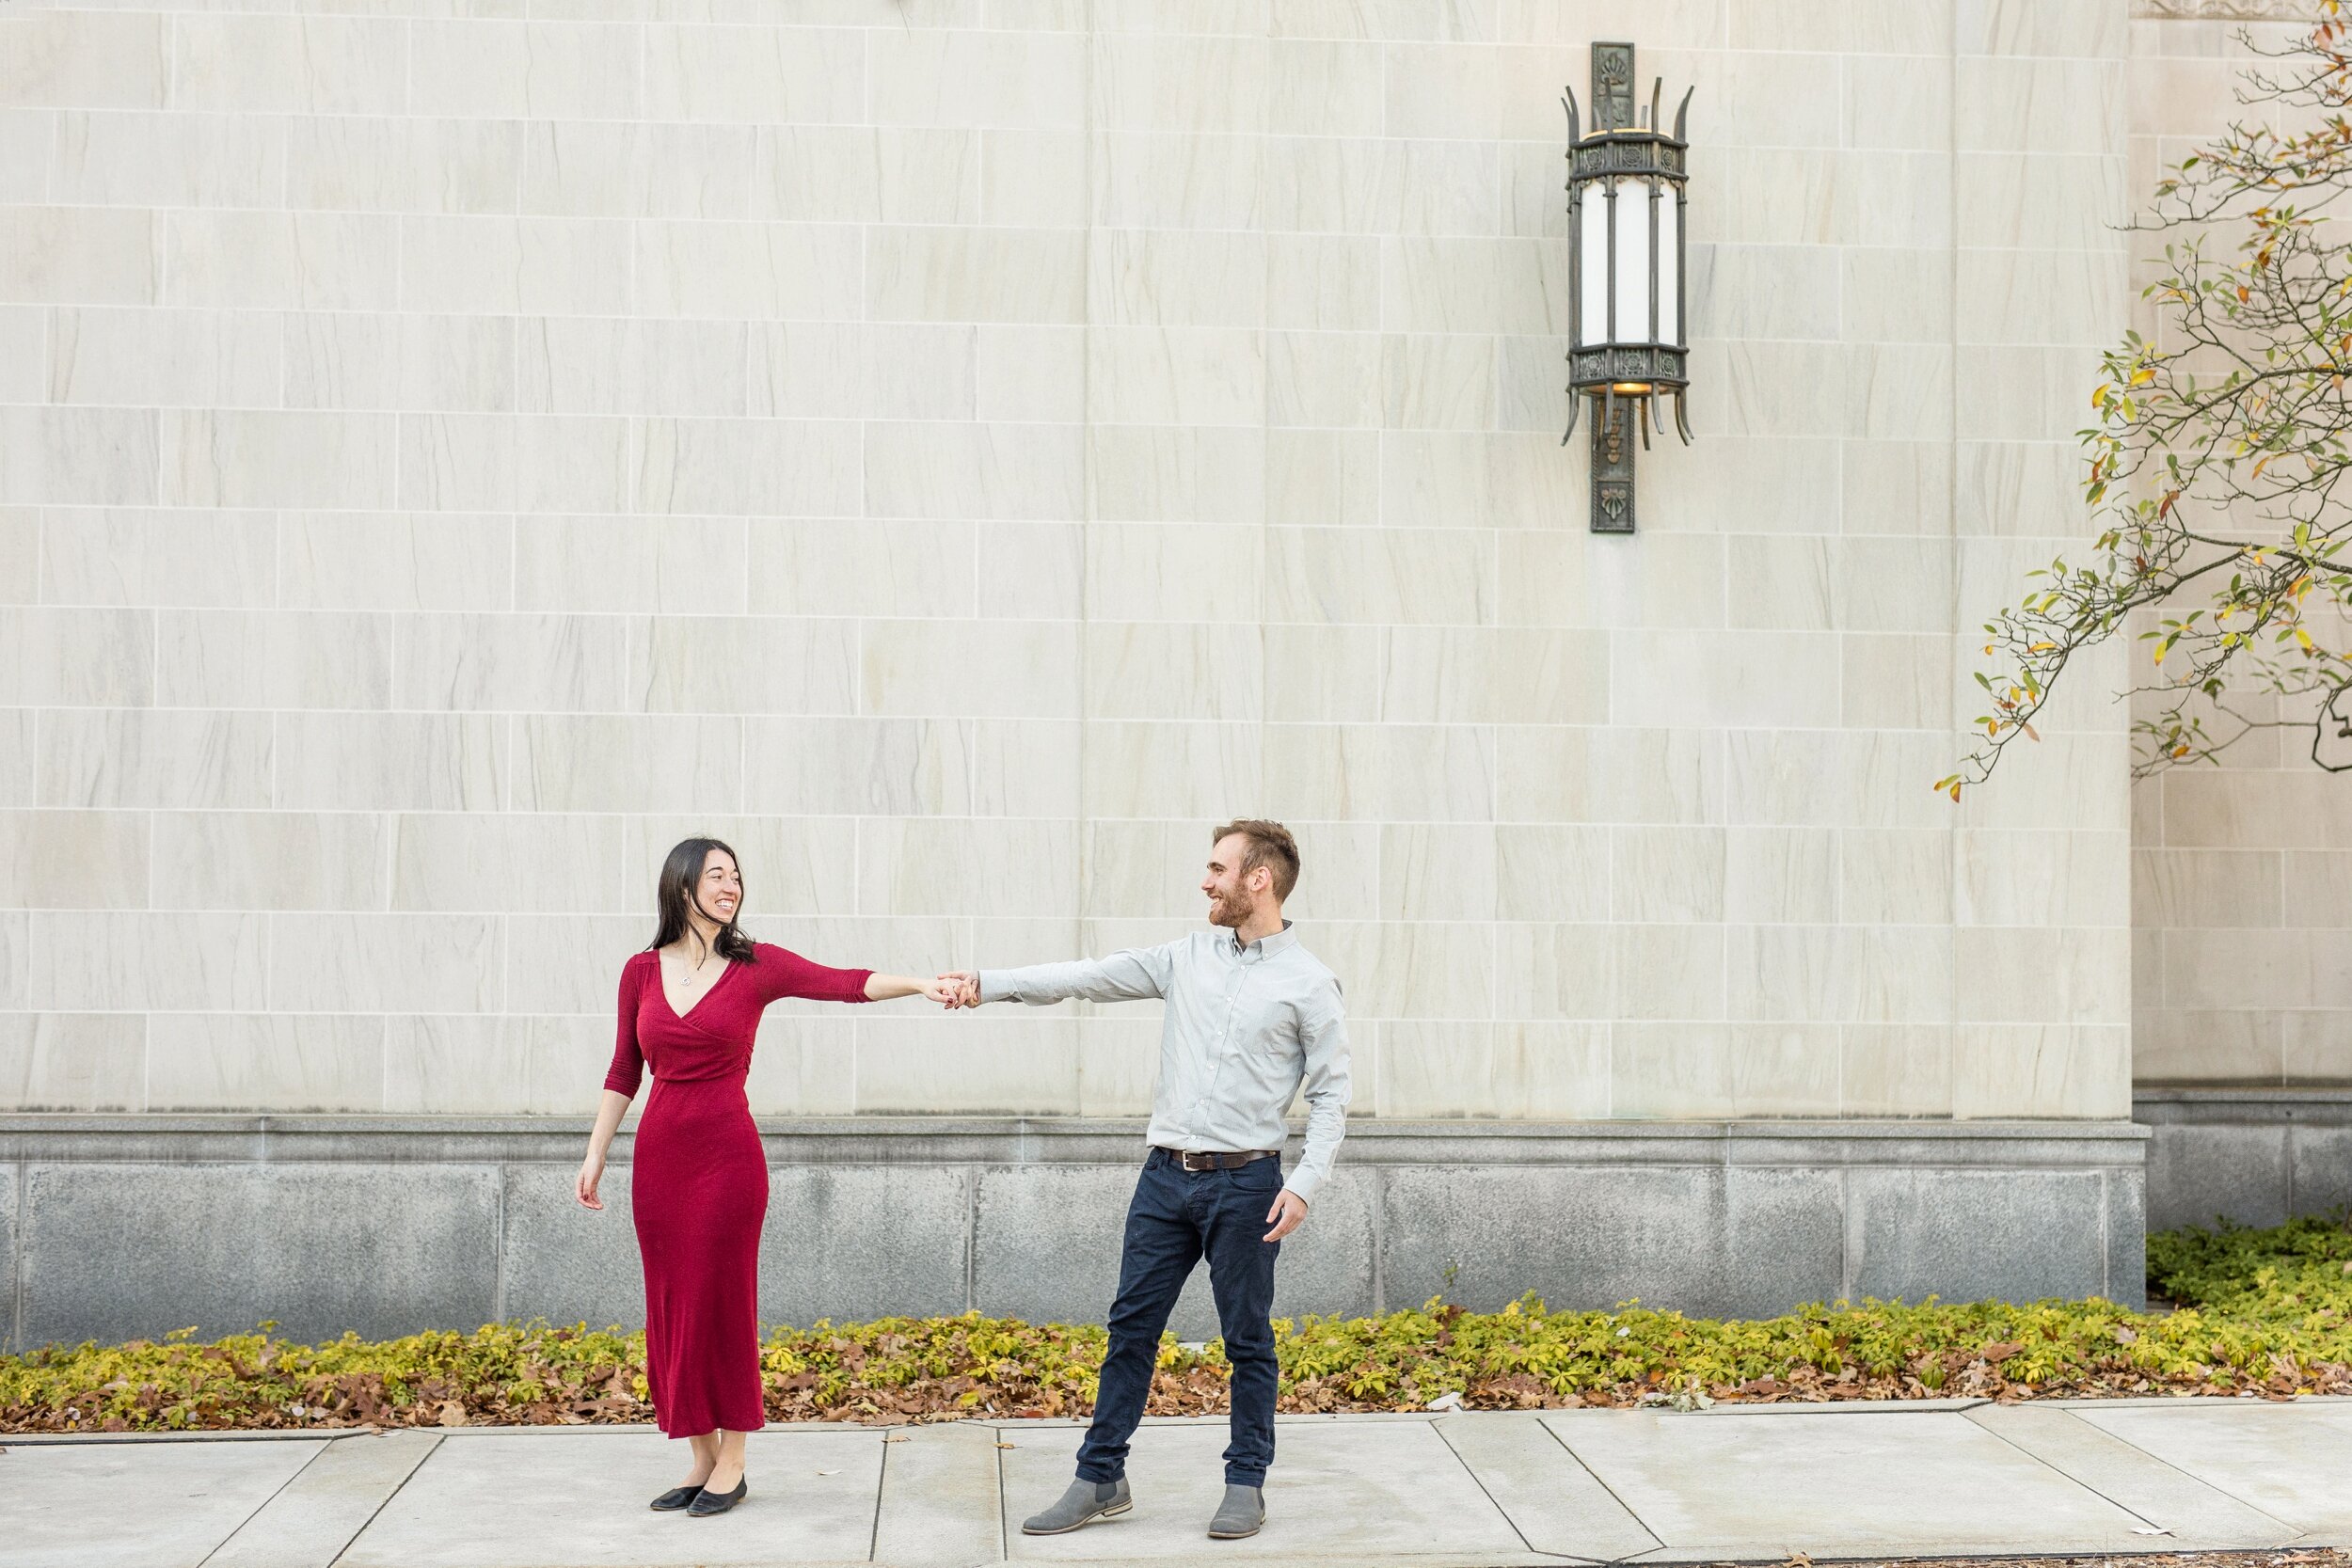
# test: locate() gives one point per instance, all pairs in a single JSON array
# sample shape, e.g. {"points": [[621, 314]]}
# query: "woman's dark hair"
{"points": [[680, 890]]}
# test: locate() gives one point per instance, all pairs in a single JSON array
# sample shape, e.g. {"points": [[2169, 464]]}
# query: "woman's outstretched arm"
{"points": [[782, 973], [889, 988]]}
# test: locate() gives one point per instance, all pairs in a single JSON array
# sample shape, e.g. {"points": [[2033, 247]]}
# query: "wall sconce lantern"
{"points": [[1628, 348]]}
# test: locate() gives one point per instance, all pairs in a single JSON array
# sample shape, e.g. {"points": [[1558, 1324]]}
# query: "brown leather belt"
{"points": [[1211, 1159]]}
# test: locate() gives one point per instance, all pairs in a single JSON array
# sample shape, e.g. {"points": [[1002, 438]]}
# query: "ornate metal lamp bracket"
{"points": [[1612, 466], [1613, 85]]}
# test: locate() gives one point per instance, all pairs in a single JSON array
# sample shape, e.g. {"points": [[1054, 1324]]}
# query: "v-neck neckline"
{"points": [[661, 978]]}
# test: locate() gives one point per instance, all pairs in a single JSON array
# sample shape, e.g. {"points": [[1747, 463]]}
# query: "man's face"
{"points": [[1233, 894]]}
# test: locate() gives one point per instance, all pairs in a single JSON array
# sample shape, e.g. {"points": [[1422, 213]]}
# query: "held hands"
{"points": [[1288, 1213]]}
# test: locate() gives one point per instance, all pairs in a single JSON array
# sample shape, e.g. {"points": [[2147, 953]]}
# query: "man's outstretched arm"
{"points": [[1130, 976]]}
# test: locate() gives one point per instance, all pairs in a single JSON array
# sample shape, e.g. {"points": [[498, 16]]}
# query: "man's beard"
{"points": [[1232, 913]]}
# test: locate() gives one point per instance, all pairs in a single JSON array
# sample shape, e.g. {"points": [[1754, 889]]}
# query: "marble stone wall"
{"points": [[959, 450], [2241, 873]]}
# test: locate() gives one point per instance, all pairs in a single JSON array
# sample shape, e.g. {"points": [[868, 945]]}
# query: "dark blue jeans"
{"points": [[1176, 1218]]}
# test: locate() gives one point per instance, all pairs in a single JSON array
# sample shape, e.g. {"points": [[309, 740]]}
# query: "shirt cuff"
{"points": [[1303, 1181], [993, 985]]}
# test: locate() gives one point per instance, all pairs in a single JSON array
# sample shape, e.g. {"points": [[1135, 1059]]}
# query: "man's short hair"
{"points": [[1270, 845]]}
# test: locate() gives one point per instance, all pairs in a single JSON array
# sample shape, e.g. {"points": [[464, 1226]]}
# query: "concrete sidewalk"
{"points": [[1943, 1477]]}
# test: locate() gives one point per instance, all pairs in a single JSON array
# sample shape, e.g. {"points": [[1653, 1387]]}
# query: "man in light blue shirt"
{"points": [[1251, 1018]]}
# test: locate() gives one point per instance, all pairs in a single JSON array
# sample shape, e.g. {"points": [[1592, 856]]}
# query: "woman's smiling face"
{"points": [[719, 892]]}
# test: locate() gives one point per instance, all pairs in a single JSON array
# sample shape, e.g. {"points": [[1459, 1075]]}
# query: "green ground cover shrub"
{"points": [[2267, 1312], [2298, 1271]]}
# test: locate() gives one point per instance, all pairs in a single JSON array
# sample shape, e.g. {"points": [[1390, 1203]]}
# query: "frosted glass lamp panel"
{"points": [[1591, 322], [1633, 323], [1669, 267]]}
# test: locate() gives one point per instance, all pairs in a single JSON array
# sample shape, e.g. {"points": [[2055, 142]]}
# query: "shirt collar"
{"points": [[1268, 945]]}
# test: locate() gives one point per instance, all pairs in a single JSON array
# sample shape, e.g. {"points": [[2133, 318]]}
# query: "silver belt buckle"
{"points": [[1208, 1162]]}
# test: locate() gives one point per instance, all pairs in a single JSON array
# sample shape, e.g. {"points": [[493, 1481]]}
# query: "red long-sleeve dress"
{"points": [[698, 1181]]}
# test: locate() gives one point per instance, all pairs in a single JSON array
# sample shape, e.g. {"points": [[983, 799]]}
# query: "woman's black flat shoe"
{"points": [[717, 1503], [675, 1498]]}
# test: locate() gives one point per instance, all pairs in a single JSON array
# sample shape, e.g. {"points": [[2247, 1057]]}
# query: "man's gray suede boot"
{"points": [[1085, 1502], [1240, 1514]]}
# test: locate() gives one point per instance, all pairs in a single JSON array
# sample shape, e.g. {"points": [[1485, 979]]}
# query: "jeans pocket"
{"points": [[1260, 1176]]}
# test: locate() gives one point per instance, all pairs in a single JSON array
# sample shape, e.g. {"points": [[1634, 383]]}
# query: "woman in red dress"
{"points": [[689, 1005]]}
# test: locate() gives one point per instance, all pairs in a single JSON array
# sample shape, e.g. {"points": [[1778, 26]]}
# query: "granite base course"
{"points": [[129, 1227], [2252, 1156]]}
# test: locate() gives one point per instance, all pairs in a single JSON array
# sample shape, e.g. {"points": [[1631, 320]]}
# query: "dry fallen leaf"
{"points": [[1008, 1444], [893, 1439], [453, 1414]]}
